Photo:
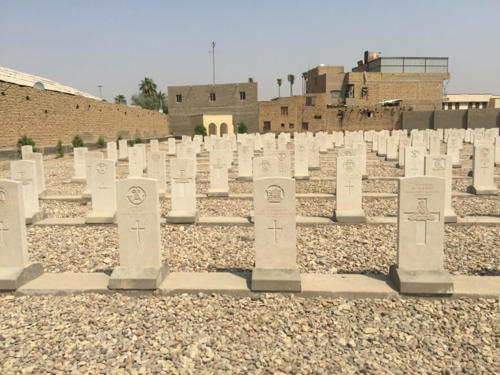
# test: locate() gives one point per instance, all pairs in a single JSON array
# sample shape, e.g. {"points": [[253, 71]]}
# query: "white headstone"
{"points": [[15, 267], [419, 268], [40, 172], [139, 236], [391, 148], [135, 162], [103, 177], [154, 145], [265, 166], [219, 185], [144, 158], [79, 164], [24, 171], [122, 149], [453, 146], [438, 165], [348, 195], [182, 191], [245, 154], [414, 161], [171, 146], [112, 151], [483, 169], [301, 159], [275, 236], [403, 143], [91, 158], [157, 169], [25, 151], [313, 161], [434, 144]]}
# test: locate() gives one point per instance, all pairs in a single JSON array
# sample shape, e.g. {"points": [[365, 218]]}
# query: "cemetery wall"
{"points": [[483, 118], [47, 116], [450, 119], [472, 118], [418, 119]]}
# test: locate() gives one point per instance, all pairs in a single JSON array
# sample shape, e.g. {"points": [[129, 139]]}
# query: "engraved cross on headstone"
{"points": [[138, 229], [349, 185], [422, 217], [182, 179], [24, 180], [275, 229]]}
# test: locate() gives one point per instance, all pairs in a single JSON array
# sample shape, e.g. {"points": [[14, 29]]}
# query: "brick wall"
{"points": [[47, 116]]}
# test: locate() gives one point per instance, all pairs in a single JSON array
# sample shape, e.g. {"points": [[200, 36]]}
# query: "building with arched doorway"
{"points": [[238, 100], [215, 124]]}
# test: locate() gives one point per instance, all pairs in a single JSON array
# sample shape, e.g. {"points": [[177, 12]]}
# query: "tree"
{"points": [[200, 130], [279, 80], [291, 79], [120, 99], [148, 87], [242, 128], [162, 102], [304, 82]]}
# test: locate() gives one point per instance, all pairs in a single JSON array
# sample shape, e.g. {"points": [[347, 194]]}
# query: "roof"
{"points": [[25, 79]]}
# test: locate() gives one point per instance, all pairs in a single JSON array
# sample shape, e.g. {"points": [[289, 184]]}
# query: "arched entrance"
{"points": [[223, 128], [212, 129]]}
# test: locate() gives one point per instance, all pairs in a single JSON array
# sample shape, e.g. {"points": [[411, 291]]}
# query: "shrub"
{"points": [[25, 141], [77, 141], [118, 139], [59, 149], [138, 140], [200, 130], [131, 142], [242, 128], [100, 142]]}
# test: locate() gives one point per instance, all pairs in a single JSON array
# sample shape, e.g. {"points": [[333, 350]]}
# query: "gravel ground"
{"points": [[266, 334], [320, 249]]}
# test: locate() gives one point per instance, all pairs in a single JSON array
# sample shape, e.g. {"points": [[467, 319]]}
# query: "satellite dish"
{"points": [[39, 85]]}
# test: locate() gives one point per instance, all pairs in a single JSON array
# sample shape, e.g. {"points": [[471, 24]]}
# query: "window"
{"points": [[212, 96], [282, 125], [477, 105], [469, 105], [349, 93], [317, 117], [305, 126], [370, 114], [284, 111], [450, 105], [457, 106], [291, 126], [178, 98], [310, 100], [243, 95], [335, 94], [364, 91], [267, 125]]}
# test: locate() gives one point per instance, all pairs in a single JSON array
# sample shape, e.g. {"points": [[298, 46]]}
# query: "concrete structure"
{"points": [[214, 124], [187, 103], [470, 101]]}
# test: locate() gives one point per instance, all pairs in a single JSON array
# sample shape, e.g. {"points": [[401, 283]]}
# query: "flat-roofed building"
{"points": [[470, 101]]}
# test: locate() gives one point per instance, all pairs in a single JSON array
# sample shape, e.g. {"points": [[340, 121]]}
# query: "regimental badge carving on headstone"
{"points": [[136, 195], [274, 194], [422, 216], [439, 163], [349, 165], [415, 153], [101, 168], [265, 165]]}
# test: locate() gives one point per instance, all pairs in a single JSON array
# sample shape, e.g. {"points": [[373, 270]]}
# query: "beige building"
{"points": [[214, 124], [470, 101]]}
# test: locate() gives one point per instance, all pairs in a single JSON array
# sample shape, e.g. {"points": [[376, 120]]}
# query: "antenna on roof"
{"points": [[213, 63]]}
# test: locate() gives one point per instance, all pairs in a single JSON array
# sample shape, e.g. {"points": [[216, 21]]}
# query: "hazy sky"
{"points": [[117, 43]]}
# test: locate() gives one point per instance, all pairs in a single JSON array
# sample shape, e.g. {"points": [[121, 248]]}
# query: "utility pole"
{"points": [[100, 90], [213, 63]]}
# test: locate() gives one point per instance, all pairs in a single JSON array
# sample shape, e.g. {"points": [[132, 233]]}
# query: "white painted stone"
{"points": [[122, 149], [360, 150], [25, 151], [382, 144], [182, 191], [419, 266], [79, 163], [245, 154], [139, 236], [144, 158], [391, 148], [313, 156], [348, 193], [154, 145], [483, 169], [15, 267], [453, 146], [24, 171], [301, 159], [103, 177], [171, 146], [157, 169], [414, 161], [112, 151], [275, 236], [438, 165], [219, 183], [135, 162], [403, 143], [91, 158], [40, 172], [284, 163]]}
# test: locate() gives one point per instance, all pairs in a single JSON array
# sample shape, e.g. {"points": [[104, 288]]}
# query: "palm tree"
{"points": [[304, 82], [291, 79], [279, 80], [162, 100], [120, 99], [147, 87]]}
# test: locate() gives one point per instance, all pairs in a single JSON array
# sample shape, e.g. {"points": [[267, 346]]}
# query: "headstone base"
{"points": [[87, 194], [276, 280], [217, 193], [400, 166], [137, 278], [78, 180], [364, 177], [457, 165], [390, 159], [381, 154], [301, 177], [123, 159], [314, 168], [182, 217], [12, 278], [100, 218], [421, 282], [350, 216], [37, 216], [450, 217], [492, 190], [244, 178]]}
